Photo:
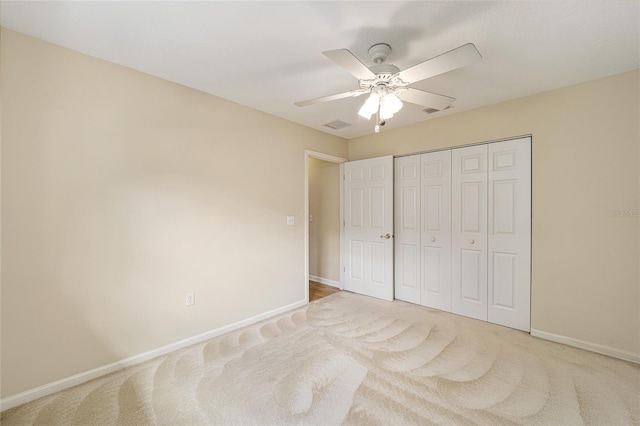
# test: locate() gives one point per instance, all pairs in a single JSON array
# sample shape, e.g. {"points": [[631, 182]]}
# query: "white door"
{"points": [[368, 227], [436, 230], [469, 231], [406, 215], [510, 233]]}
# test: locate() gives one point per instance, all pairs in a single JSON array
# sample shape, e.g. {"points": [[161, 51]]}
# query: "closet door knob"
{"points": [[386, 236], [433, 239], [471, 241]]}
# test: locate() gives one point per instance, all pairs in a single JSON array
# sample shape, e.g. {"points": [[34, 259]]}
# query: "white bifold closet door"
{"points": [[509, 249], [436, 230], [469, 231], [463, 231], [422, 201], [407, 211]]}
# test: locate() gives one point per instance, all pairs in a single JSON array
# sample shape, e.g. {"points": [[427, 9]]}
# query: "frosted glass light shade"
{"points": [[389, 105], [370, 106]]}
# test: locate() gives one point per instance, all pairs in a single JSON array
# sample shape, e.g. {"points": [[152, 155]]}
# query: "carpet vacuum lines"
{"points": [[354, 360]]}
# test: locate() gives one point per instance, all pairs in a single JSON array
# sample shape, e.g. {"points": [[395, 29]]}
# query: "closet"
{"points": [[463, 231]]}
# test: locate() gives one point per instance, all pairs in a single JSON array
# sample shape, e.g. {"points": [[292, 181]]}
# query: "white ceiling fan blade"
{"points": [[349, 62], [351, 94], [426, 99], [449, 61]]}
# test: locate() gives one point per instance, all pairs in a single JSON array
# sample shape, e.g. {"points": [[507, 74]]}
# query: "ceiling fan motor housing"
{"points": [[386, 74]]}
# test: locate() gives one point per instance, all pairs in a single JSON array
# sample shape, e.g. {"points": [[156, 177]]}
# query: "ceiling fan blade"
{"points": [[426, 99], [329, 98], [349, 62], [448, 61]]}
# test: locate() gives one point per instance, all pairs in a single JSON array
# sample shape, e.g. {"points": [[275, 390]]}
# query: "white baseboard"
{"points": [[326, 281], [589, 346], [67, 382]]}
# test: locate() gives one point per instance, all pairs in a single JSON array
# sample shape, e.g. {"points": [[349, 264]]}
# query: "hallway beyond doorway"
{"points": [[318, 291]]}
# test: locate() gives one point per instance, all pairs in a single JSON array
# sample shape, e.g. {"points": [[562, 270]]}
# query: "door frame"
{"points": [[332, 159]]}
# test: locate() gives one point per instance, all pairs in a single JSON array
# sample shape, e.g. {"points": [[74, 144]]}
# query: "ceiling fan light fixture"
{"points": [[370, 106], [389, 105], [384, 82]]}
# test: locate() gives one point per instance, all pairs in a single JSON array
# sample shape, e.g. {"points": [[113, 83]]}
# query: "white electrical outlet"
{"points": [[189, 299]]}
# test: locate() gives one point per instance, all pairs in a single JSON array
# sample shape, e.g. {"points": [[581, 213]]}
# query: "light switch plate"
{"points": [[189, 299], [291, 220]]}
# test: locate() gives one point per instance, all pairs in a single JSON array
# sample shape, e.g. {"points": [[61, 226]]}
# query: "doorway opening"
{"points": [[323, 233]]}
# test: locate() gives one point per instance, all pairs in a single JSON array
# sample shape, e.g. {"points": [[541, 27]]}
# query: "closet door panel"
{"points": [[509, 274], [469, 231], [407, 228], [436, 230]]}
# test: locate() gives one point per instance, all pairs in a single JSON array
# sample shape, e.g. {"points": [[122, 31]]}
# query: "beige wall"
{"points": [[586, 139], [120, 193], [324, 231]]}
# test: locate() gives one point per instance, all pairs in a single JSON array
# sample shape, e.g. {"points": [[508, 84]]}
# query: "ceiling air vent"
{"points": [[337, 125], [432, 110]]}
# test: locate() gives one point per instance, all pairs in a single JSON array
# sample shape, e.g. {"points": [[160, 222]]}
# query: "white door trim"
{"points": [[332, 159]]}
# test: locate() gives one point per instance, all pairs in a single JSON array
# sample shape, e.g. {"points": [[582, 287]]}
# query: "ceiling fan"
{"points": [[387, 86]]}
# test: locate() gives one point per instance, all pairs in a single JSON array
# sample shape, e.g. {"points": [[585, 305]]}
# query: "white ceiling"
{"points": [[268, 54]]}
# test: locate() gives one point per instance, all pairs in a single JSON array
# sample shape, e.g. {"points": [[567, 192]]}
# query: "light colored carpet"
{"points": [[356, 360]]}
